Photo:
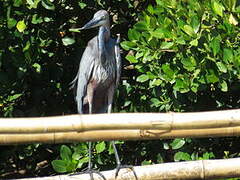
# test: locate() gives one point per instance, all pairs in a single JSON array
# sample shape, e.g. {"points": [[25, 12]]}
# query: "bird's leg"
{"points": [[119, 165], [90, 171], [118, 162]]}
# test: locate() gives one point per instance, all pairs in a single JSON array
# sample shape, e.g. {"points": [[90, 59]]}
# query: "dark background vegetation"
{"points": [[177, 56]]}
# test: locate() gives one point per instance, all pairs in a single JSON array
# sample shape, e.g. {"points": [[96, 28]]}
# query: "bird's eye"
{"points": [[104, 17]]}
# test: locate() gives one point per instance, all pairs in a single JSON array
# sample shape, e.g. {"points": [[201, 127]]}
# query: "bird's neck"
{"points": [[103, 37]]}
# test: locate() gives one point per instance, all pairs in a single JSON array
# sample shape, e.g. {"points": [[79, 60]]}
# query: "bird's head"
{"points": [[100, 18]]}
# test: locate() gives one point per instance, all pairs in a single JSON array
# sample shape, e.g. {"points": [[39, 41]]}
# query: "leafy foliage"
{"points": [[184, 53]]}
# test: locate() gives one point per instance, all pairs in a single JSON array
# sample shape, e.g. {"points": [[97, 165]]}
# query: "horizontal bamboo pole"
{"points": [[159, 121], [203, 169], [107, 135]]}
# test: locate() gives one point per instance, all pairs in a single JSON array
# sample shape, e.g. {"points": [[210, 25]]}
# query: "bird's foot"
{"points": [[120, 166], [90, 172]]}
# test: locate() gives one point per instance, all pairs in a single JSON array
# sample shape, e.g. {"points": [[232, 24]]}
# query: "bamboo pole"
{"points": [[159, 121], [203, 169], [107, 135]]}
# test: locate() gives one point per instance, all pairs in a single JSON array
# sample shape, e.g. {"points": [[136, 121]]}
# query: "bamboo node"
{"points": [[150, 133], [164, 124]]}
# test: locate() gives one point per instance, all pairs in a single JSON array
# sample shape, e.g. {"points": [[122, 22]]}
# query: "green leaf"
{"points": [[217, 8], [68, 41], [36, 19], [17, 3], [11, 23], [59, 166], [21, 26], [141, 26], [181, 85], [212, 77], [208, 155], [158, 33], [224, 86], [155, 102], [168, 71], [194, 42], [133, 34], [166, 45], [221, 67], [100, 147], [48, 5], [179, 156], [232, 20], [189, 63], [142, 78], [177, 143], [228, 55], [14, 97], [189, 30], [32, 4], [127, 45], [131, 59], [215, 45], [82, 5], [27, 46], [37, 67], [65, 153], [82, 161], [195, 23], [155, 82], [146, 162]]}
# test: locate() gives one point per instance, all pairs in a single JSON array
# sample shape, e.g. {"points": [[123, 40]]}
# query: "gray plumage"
{"points": [[98, 77], [99, 69]]}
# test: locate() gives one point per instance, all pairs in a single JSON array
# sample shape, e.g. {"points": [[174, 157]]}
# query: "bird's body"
{"points": [[98, 75], [99, 69]]}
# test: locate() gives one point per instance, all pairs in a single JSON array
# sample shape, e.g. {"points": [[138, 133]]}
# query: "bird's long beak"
{"points": [[91, 24]]}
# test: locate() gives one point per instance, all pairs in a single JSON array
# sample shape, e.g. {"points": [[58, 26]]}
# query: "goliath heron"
{"points": [[98, 75]]}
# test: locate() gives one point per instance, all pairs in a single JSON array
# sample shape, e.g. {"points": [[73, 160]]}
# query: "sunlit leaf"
{"points": [[177, 143], [224, 86], [166, 45], [182, 156], [131, 59], [68, 41], [21, 26], [142, 78], [189, 30], [100, 147], [14, 97], [217, 7], [48, 4], [221, 67], [82, 5], [233, 20]]}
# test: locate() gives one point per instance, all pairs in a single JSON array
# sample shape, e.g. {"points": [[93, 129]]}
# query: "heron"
{"points": [[98, 76]]}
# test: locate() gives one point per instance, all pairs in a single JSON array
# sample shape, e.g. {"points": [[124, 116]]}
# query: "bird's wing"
{"points": [[84, 74], [118, 59]]}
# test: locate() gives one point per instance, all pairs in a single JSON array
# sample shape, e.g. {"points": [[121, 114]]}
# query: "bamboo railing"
{"points": [[107, 135], [133, 126], [203, 169], [157, 121]]}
